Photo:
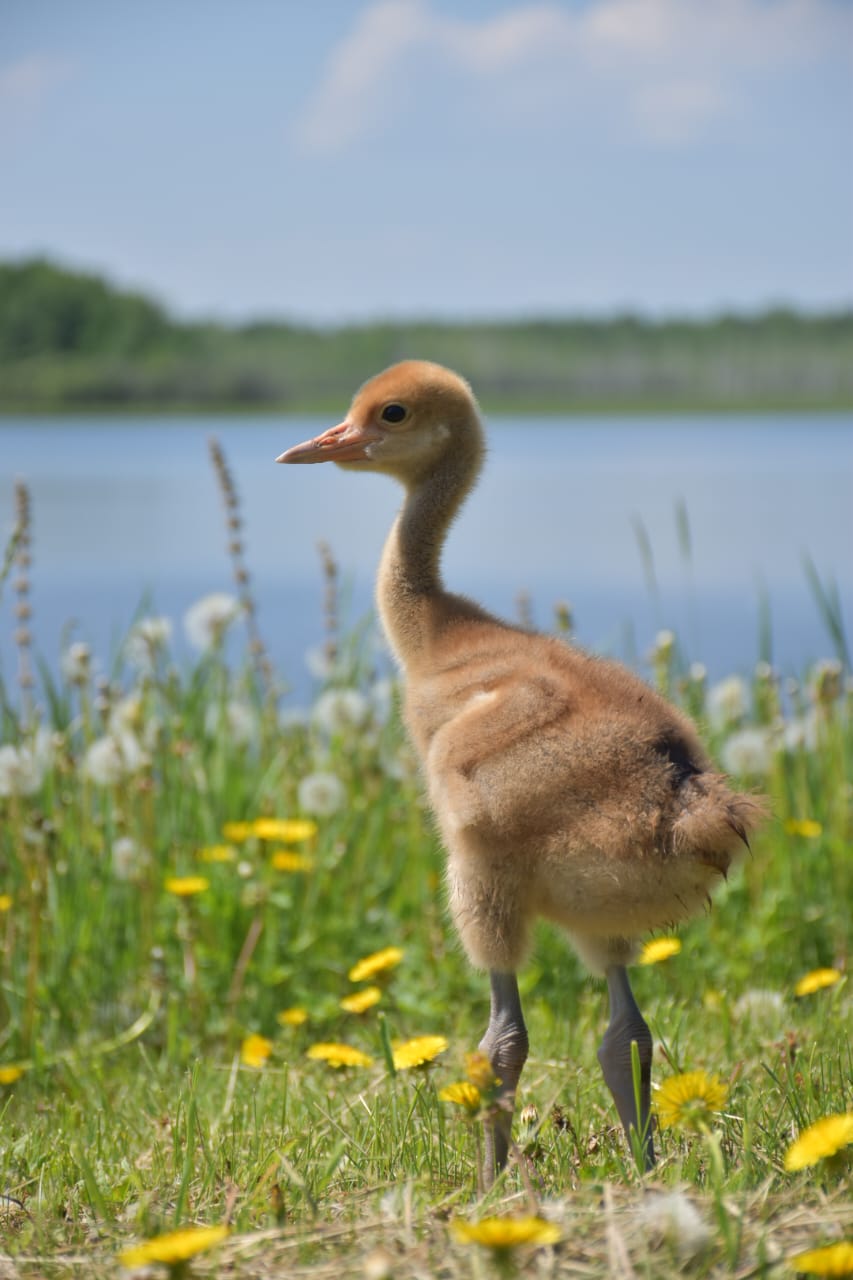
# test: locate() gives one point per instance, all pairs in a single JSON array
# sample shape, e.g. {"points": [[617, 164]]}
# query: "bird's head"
{"points": [[404, 422]]}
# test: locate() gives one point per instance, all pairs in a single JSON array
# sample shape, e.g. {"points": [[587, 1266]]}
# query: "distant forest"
{"points": [[71, 341]]}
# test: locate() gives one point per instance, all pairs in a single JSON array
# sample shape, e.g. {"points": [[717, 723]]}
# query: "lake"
{"points": [[127, 510]]}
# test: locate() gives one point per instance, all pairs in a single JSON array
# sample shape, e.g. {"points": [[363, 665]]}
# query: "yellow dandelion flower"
{"points": [[287, 830], [186, 886], [414, 1053], [11, 1073], [831, 1260], [255, 1050], [339, 1055], [479, 1071], [217, 853], [657, 949], [361, 1001], [5, 901], [174, 1247], [237, 832], [823, 1138], [689, 1100], [378, 962], [507, 1233], [296, 1016], [463, 1093], [804, 827], [287, 860], [816, 981]]}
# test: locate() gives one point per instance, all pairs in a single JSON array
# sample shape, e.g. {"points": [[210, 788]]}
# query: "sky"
{"points": [[359, 159]]}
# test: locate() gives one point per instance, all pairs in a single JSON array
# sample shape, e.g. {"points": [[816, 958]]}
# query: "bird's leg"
{"points": [[626, 1025], [505, 1045]]}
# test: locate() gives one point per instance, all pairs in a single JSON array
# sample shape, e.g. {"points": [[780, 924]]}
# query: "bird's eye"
{"points": [[394, 413]]}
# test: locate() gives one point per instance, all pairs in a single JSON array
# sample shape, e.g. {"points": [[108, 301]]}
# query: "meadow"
{"points": [[237, 1027]]}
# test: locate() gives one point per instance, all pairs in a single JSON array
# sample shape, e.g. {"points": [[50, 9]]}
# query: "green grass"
{"points": [[126, 1006]]}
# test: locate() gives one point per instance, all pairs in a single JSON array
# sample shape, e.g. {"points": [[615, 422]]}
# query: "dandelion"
{"points": [[417, 1052], [237, 831], [322, 794], [339, 1055], [9, 1074], [146, 639], [377, 962], [825, 681], [185, 886], [128, 858], [727, 702], [5, 901], [760, 1005], [463, 1094], [669, 1215], [657, 949], [747, 753], [831, 1260], [21, 771], [338, 711], [126, 715], [801, 734], [287, 860], [806, 827], [206, 621], [295, 1016], [287, 830], [361, 1001], [689, 1100], [507, 1233], [235, 720], [820, 1140], [478, 1068], [112, 758], [174, 1247], [255, 1050], [816, 981], [75, 663], [217, 853]]}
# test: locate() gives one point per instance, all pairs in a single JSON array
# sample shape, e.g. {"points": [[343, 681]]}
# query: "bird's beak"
{"points": [[344, 443]]}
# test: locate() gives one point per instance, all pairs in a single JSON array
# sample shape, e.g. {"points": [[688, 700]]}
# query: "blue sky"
{"points": [[337, 160]]}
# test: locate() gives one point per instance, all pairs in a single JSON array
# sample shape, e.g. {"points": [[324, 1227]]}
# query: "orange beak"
{"points": [[344, 443]]}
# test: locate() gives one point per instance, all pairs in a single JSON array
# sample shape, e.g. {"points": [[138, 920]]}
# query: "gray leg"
{"points": [[627, 1024], [505, 1045]]}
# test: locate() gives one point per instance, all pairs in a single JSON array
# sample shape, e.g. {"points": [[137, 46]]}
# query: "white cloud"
{"points": [[662, 71]]}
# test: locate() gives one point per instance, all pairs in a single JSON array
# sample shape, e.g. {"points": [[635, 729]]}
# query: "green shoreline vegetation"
{"points": [[71, 342]]}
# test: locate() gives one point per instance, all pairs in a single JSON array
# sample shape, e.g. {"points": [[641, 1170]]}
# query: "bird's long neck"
{"points": [[412, 601]]}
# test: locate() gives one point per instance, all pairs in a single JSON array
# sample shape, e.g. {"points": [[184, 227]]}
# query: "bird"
{"points": [[563, 786]]}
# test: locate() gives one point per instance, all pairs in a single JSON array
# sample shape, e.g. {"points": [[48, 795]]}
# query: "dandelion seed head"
{"points": [[235, 720], [146, 639], [727, 702], [206, 621], [109, 760], [76, 662], [21, 772], [671, 1216], [129, 859], [321, 794], [748, 753], [339, 711]]}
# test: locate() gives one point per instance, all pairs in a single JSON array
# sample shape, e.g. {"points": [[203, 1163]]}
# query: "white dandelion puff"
{"points": [[128, 858], [110, 759], [237, 720], [146, 639], [670, 1216], [727, 702], [337, 711], [321, 794], [21, 771], [749, 752], [76, 663], [206, 621]]}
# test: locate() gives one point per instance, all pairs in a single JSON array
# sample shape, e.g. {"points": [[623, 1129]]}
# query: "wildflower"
{"points": [[801, 734], [287, 860], [322, 794], [110, 759], [464, 1094], [146, 639], [747, 752], [806, 827], [669, 1215], [217, 853], [759, 1005], [126, 714], [75, 663], [237, 831], [506, 1233], [689, 1100], [21, 772], [824, 1138], [296, 1016], [825, 681], [339, 710], [287, 830], [727, 702], [816, 981], [185, 886], [255, 1050], [339, 1055], [361, 1001], [206, 621], [294, 718], [235, 720], [831, 1260], [9, 1074], [5, 901], [378, 962], [416, 1052], [128, 858], [478, 1068], [174, 1247], [657, 949]]}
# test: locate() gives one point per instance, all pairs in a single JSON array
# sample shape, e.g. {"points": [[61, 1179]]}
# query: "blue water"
{"points": [[128, 510]]}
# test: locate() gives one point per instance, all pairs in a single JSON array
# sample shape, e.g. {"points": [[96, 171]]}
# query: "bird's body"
{"points": [[564, 787]]}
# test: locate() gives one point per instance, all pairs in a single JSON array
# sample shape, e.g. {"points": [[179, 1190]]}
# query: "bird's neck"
{"points": [[413, 603]]}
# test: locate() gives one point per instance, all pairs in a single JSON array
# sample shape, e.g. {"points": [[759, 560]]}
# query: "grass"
{"points": [[126, 1000]]}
